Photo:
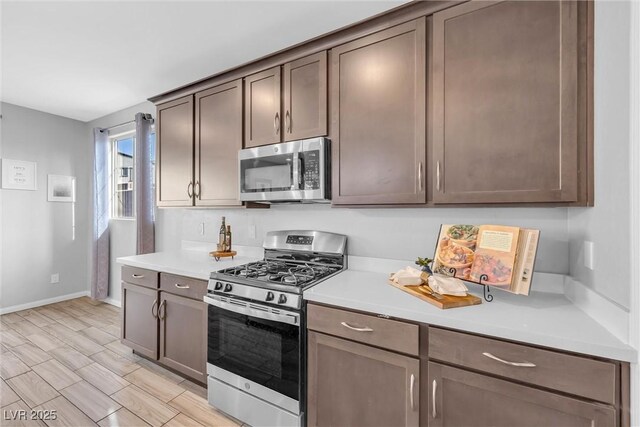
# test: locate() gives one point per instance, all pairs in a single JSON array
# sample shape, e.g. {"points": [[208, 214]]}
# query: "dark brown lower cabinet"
{"points": [[139, 321], [459, 398], [352, 384], [183, 335], [165, 319]]}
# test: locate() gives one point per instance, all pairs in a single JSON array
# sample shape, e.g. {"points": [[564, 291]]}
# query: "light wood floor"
{"points": [[67, 357]]}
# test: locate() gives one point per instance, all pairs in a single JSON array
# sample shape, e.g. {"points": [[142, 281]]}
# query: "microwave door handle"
{"points": [[297, 171]]}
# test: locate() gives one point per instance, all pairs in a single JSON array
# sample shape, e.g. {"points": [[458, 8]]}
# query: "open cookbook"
{"points": [[494, 255]]}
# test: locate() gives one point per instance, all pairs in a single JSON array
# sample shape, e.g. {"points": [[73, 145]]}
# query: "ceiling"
{"points": [[86, 59]]}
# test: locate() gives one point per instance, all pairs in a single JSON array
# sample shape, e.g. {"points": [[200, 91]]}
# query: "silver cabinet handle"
{"points": [[438, 176], [287, 121], [353, 328], [434, 386], [196, 189], [506, 362], [137, 276], [276, 123], [190, 189], [162, 313], [420, 176], [179, 286], [412, 384], [153, 306]]}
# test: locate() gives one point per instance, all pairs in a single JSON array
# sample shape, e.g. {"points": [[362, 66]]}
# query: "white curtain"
{"points": [[100, 276], [143, 182]]}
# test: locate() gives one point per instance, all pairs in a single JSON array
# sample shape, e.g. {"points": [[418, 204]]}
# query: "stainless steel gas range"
{"points": [[257, 335]]}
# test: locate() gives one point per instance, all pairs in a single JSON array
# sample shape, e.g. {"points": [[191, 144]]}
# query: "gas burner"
{"points": [[290, 280]]}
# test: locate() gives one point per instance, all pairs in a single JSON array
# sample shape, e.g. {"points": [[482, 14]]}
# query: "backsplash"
{"points": [[381, 233]]}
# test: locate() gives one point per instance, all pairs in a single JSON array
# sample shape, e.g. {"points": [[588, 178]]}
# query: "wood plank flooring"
{"points": [[67, 357]]}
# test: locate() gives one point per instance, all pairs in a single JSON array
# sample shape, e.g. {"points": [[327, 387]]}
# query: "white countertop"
{"points": [[546, 319], [193, 261]]}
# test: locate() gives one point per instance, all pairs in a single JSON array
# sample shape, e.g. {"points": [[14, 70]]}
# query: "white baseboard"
{"points": [[112, 301], [610, 315], [42, 302]]}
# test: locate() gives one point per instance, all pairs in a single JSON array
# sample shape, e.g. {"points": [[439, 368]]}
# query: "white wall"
{"points": [[383, 233], [36, 234], [122, 231], [607, 224]]}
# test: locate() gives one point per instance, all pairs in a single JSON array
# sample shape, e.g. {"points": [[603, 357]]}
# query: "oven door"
{"points": [[257, 343], [292, 171]]}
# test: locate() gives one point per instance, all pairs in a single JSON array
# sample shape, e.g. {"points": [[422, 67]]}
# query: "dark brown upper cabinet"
{"points": [[505, 85], [175, 184], [305, 97], [263, 120], [378, 114], [297, 109], [218, 135]]}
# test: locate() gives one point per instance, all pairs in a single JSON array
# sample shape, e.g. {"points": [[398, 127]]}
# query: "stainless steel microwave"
{"points": [[296, 171]]}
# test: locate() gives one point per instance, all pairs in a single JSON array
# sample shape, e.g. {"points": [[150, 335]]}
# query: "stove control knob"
{"points": [[282, 299], [218, 286], [227, 287], [270, 296]]}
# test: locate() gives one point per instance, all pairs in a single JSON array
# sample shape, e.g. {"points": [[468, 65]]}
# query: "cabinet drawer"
{"points": [[139, 276], [593, 379], [385, 333], [183, 286]]}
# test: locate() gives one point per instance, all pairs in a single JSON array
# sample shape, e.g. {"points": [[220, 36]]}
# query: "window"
{"points": [[123, 148]]}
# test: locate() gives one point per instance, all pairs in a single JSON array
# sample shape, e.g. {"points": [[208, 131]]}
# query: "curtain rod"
{"points": [[144, 116], [118, 125]]}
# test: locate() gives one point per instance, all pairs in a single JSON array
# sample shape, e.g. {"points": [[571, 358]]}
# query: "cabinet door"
{"points": [[175, 153], [139, 321], [218, 139], [262, 119], [505, 102], [461, 398], [305, 97], [183, 335], [351, 384], [378, 117]]}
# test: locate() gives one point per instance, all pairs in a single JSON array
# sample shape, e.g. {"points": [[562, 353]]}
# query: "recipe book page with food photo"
{"points": [[495, 255]]}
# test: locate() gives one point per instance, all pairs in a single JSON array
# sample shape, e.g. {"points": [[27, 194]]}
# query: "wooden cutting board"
{"points": [[444, 302], [219, 254]]}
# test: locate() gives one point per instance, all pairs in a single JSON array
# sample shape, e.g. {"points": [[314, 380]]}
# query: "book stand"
{"points": [[485, 288]]}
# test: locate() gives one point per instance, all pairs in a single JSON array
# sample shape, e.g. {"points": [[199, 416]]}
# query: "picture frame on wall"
{"points": [[19, 175], [61, 188]]}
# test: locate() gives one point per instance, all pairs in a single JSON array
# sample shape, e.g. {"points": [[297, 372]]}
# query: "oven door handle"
{"points": [[292, 318]]}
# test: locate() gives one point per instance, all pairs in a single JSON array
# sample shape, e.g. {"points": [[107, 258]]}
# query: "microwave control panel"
{"points": [[311, 168]]}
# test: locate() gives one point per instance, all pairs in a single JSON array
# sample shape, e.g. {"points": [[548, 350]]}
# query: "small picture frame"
{"points": [[61, 188], [19, 175]]}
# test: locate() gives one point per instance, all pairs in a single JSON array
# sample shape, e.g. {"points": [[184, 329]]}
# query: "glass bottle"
{"points": [[227, 240], [222, 236]]}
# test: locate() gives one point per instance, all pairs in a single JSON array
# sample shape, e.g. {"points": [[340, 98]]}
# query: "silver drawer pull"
{"points": [[506, 362], [353, 328], [137, 276], [179, 286]]}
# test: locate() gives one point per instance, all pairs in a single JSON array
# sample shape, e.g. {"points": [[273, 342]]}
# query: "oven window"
{"points": [[272, 173], [259, 350]]}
